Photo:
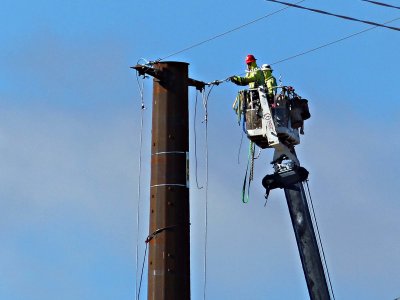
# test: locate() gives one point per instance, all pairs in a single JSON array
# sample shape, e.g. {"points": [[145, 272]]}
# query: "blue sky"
{"points": [[69, 147]]}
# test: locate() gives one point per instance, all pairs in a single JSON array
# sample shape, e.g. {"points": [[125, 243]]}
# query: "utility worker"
{"points": [[270, 81], [254, 76]]}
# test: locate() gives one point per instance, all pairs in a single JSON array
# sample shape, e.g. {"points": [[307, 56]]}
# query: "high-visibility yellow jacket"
{"points": [[254, 77], [270, 82]]}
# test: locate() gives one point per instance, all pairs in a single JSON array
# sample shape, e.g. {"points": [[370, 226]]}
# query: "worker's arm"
{"points": [[250, 77], [239, 80], [271, 85]]}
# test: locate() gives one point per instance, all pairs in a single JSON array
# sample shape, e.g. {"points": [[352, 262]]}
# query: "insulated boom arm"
{"points": [[275, 124], [307, 242]]}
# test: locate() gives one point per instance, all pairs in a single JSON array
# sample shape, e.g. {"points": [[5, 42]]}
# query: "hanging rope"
{"points": [[314, 219], [195, 140], [141, 91]]}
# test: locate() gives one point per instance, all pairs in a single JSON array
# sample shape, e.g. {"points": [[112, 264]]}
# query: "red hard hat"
{"points": [[250, 58]]}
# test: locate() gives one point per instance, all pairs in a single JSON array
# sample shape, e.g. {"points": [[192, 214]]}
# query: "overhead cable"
{"points": [[335, 15], [224, 33], [330, 43], [216, 82], [382, 4]]}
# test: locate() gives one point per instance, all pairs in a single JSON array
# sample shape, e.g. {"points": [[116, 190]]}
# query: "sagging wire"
{"points": [[314, 219], [141, 91], [204, 100], [205, 96]]}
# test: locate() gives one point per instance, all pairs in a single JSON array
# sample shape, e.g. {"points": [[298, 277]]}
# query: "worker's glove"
{"points": [[234, 79]]}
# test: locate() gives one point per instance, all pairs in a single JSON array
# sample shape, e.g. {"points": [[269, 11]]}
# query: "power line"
{"points": [[330, 43], [335, 15], [382, 4], [224, 33], [216, 82]]}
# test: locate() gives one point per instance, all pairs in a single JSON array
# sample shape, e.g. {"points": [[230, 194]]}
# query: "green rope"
{"points": [[245, 197]]}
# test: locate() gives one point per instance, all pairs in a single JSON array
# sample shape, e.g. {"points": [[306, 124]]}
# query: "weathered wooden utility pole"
{"points": [[169, 239]]}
